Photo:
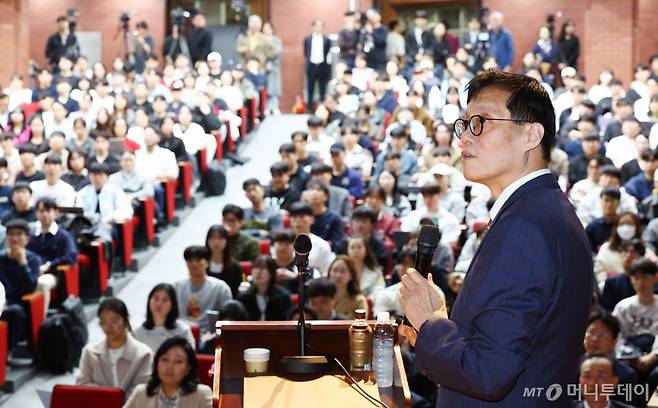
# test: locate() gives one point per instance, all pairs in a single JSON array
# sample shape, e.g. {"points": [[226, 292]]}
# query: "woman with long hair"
{"points": [[348, 294], [568, 46], [162, 320], [222, 266], [396, 204], [265, 299], [37, 134], [368, 271], [103, 120], [609, 258], [118, 360], [442, 136], [174, 380], [17, 127], [82, 141]]}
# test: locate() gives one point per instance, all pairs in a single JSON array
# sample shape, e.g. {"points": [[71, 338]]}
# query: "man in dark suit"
{"points": [[519, 320], [316, 54], [62, 43], [418, 40]]}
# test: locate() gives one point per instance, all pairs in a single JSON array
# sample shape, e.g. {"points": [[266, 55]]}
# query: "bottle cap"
{"points": [[383, 317], [360, 314]]}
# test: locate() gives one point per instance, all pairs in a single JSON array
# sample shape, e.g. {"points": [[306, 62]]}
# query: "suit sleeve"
{"points": [[518, 286]]}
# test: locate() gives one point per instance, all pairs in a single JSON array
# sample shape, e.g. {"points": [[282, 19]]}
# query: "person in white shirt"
{"points": [[11, 154], [622, 149], [57, 145], [318, 142], [301, 219], [156, 164], [60, 122], [193, 135], [53, 186], [356, 157], [447, 223], [590, 206], [451, 200], [135, 185]]}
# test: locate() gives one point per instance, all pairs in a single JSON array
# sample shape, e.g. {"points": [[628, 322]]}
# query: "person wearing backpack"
{"points": [[119, 360]]}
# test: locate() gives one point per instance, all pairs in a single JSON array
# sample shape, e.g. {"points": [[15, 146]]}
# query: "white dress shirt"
{"points": [[509, 190], [62, 192], [317, 49], [160, 161], [621, 149]]}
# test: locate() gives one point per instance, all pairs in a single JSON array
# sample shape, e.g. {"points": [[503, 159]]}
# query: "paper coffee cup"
{"points": [[256, 359]]}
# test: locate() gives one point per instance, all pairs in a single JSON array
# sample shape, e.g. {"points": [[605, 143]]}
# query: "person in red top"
{"points": [[386, 223]]}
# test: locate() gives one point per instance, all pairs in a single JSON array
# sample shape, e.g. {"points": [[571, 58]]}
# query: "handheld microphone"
{"points": [[428, 240], [302, 247]]}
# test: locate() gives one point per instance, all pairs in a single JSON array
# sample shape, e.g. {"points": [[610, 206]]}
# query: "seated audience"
{"points": [[301, 220], [53, 186], [174, 379], [326, 225], [102, 154], [344, 176], [348, 295], [339, 197], [162, 319], [298, 174], [363, 225], [597, 381], [582, 188], [448, 224], [132, 183], [321, 295], [243, 247], [260, 220], [590, 207], [280, 194], [5, 187], [265, 299], [53, 244], [599, 229], [608, 260], [369, 274], [619, 286], [221, 264], [21, 197], [77, 175], [19, 271], [29, 171], [640, 185], [118, 360], [200, 292], [396, 202]]}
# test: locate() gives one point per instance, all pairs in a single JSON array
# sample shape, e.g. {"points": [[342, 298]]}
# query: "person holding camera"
{"points": [[62, 43], [373, 37], [200, 39], [142, 46]]}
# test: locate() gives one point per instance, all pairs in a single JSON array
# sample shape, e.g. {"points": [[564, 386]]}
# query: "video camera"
{"points": [[178, 16]]}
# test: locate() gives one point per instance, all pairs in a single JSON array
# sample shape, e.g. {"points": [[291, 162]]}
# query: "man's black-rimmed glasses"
{"points": [[476, 124]]}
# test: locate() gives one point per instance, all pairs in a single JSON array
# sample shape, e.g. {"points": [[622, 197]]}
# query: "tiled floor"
{"points": [[168, 265]]}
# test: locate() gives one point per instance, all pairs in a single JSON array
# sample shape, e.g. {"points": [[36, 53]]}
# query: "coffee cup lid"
{"points": [[256, 354]]}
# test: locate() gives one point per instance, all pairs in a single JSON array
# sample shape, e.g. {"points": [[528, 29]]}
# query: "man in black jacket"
{"points": [[418, 40], [200, 39], [316, 54], [373, 38], [61, 43], [348, 39]]}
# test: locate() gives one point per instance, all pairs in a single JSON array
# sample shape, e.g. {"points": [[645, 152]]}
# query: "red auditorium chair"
{"points": [[264, 247], [170, 199], [124, 245], [185, 181], [263, 103], [36, 305], [205, 362], [68, 283], [219, 153], [94, 271], [243, 125], [202, 161], [74, 396], [196, 333], [294, 298], [286, 221], [3, 351], [369, 309], [143, 223], [253, 113]]}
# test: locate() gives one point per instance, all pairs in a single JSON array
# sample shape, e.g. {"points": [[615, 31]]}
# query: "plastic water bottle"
{"points": [[382, 351]]}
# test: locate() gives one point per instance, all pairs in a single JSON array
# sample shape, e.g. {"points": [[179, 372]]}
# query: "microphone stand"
{"points": [[303, 364]]}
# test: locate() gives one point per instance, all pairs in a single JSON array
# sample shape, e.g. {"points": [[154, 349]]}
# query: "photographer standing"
{"points": [[374, 36], [200, 39], [142, 46], [62, 43]]}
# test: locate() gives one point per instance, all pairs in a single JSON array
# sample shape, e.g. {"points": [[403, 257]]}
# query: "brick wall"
{"points": [[96, 15], [15, 35], [292, 20], [646, 39]]}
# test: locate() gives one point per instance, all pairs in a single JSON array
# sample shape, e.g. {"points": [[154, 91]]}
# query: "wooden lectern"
{"points": [[280, 337]]}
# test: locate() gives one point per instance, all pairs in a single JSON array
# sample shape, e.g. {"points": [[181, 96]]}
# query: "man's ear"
{"points": [[534, 136]]}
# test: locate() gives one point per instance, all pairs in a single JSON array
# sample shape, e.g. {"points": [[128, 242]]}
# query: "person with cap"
{"points": [[339, 197], [214, 61], [344, 176], [448, 224], [21, 197], [104, 202], [53, 186], [260, 220], [19, 270], [590, 206], [280, 194]]}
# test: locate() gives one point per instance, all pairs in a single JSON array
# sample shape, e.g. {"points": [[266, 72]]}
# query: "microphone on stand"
{"points": [[428, 240], [302, 364]]}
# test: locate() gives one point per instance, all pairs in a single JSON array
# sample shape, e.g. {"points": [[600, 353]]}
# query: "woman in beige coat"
{"points": [[119, 360], [174, 381]]}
